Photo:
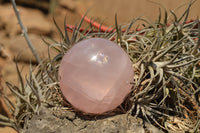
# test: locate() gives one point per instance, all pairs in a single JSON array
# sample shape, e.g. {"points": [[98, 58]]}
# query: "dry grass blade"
{"points": [[6, 119], [21, 79], [8, 124], [35, 92], [19, 95], [168, 49], [49, 44], [67, 41], [118, 30], [184, 64], [9, 104], [59, 30]]}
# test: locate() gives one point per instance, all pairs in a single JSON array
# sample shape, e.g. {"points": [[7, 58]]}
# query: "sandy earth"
{"points": [[13, 45]]}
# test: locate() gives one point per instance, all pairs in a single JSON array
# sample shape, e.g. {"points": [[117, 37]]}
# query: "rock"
{"points": [[7, 130], [68, 4], [39, 4], [105, 72], [127, 10], [21, 51], [34, 20], [46, 122]]}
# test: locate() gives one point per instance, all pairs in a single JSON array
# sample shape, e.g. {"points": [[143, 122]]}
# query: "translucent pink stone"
{"points": [[95, 75]]}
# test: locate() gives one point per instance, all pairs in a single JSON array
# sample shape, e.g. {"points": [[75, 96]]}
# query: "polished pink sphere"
{"points": [[95, 75]]}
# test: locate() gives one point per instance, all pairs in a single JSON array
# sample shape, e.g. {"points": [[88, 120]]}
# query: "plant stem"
{"points": [[24, 31]]}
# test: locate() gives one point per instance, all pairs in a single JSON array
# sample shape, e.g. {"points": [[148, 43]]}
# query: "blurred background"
{"points": [[37, 18]]}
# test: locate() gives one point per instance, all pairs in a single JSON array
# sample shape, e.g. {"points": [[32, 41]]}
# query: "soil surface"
{"points": [[39, 23], [65, 121]]}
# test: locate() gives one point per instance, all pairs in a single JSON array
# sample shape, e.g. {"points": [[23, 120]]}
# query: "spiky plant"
{"points": [[165, 90]]}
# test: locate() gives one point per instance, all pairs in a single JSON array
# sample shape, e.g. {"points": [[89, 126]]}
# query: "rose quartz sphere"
{"points": [[95, 75]]}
